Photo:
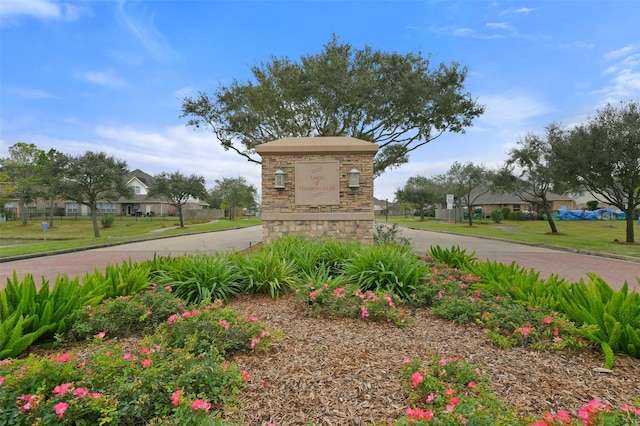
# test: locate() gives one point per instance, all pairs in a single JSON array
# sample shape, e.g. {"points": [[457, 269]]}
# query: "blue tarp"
{"points": [[599, 214]]}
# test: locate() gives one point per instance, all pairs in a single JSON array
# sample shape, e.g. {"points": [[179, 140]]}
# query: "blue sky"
{"points": [[110, 75]]}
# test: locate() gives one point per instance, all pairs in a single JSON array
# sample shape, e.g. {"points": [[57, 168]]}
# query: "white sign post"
{"points": [[449, 205]]}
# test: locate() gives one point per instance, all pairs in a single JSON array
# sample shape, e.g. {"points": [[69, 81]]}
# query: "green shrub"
{"points": [[506, 212], [453, 257], [385, 234], [201, 277], [496, 216], [265, 272], [125, 316], [107, 221], [516, 215], [387, 268]]}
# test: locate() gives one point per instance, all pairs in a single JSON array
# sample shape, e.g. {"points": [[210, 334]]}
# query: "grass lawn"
{"points": [[581, 235], [16, 239]]}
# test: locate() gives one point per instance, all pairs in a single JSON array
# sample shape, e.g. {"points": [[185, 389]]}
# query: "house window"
{"points": [[106, 207], [72, 208], [516, 207], [137, 189]]}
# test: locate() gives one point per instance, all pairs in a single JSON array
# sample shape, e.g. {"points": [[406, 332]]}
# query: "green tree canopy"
{"points": [[602, 156], [95, 177], [178, 189], [420, 192], [529, 174], [234, 193], [52, 175], [22, 168], [398, 101]]}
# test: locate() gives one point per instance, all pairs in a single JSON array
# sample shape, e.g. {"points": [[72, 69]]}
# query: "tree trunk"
{"points": [[179, 206], [630, 223], [51, 213], [94, 219], [552, 223], [24, 213]]}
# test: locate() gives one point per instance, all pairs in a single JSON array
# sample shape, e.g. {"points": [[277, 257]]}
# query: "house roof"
{"points": [[143, 177]]}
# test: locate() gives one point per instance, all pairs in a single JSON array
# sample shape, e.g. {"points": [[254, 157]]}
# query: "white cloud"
{"points": [[40, 9], [101, 78], [29, 93], [620, 53], [499, 25], [623, 73], [147, 33]]}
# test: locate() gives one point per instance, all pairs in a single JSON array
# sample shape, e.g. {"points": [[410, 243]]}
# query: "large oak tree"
{"points": [[95, 177], [602, 156], [399, 101]]}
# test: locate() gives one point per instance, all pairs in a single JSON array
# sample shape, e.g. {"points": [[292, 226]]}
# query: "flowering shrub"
{"points": [[450, 391], [168, 377], [351, 302], [126, 315], [214, 326]]}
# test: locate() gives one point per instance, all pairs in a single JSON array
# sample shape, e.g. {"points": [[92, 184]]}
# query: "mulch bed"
{"points": [[347, 372]]}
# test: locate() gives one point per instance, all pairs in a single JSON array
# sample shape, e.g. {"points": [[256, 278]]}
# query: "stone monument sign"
{"points": [[318, 187]]}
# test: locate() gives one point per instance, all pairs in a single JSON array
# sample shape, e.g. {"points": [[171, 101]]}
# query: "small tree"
{"points": [[52, 167], [592, 204], [420, 192], [467, 182], [234, 193], [95, 177], [178, 189], [529, 172], [22, 168]]}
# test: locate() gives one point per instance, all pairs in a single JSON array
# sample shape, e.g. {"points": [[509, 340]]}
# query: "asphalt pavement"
{"points": [[547, 261]]}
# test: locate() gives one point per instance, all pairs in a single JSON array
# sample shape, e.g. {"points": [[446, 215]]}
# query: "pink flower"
{"points": [[338, 292], [419, 414], [80, 392], [389, 300], [1, 380], [63, 358], [60, 408], [252, 318], [364, 313], [126, 355], [557, 339], [145, 350], [630, 408], [406, 361], [175, 397], [101, 335], [146, 362], [172, 318], [547, 320], [539, 423], [416, 379], [471, 385], [168, 288], [313, 294], [95, 395], [430, 397], [245, 374], [186, 314], [108, 353], [524, 330], [29, 402], [224, 324], [81, 364], [200, 404], [254, 342], [61, 390]]}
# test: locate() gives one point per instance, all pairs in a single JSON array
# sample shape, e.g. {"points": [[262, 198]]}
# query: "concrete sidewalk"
{"points": [[546, 261]]}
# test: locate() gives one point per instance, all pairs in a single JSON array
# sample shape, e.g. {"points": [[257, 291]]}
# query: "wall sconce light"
{"points": [[279, 177], [354, 178]]}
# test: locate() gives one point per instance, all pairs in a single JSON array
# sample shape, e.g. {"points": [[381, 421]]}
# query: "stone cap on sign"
{"points": [[318, 144]]}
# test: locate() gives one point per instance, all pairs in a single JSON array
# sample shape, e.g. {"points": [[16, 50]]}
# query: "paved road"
{"points": [[547, 261]]}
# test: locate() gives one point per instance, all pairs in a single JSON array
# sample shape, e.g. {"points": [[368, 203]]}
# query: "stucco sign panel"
{"points": [[317, 183]]}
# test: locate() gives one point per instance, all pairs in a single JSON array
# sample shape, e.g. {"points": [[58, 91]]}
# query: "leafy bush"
{"points": [[453, 257], [107, 221], [518, 215], [388, 268], [506, 212], [125, 316], [266, 272], [201, 277], [385, 234], [496, 216]]}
